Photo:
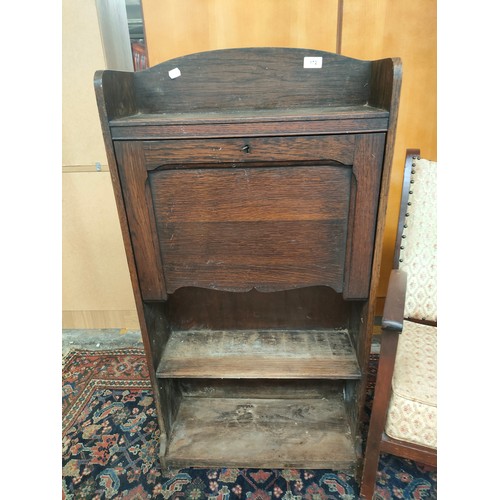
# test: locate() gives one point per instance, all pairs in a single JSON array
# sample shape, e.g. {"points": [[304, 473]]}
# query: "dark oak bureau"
{"points": [[251, 192]]}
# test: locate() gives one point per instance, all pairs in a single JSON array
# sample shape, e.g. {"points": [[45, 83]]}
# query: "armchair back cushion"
{"points": [[419, 243]]}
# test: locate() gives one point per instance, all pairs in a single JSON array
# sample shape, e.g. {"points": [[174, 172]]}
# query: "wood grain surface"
{"points": [[261, 433], [137, 200], [267, 228], [367, 170], [191, 308], [160, 129], [259, 388], [250, 149], [259, 354], [253, 78]]}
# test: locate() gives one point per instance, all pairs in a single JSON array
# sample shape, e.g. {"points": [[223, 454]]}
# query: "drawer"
{"points": [[214, 152]]}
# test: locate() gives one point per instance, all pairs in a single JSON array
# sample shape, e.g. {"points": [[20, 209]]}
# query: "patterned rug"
{"points": [[110, 445]]}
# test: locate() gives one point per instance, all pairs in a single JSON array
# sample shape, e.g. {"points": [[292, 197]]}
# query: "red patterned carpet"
{"points": [[110, 445]]}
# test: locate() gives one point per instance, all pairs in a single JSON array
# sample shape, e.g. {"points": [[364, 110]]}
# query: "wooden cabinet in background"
{"points": [[139, 56], [252, 193]]}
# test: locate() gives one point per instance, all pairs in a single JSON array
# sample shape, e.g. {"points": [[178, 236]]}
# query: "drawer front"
{"points": [[252, 149], [242, 228]]}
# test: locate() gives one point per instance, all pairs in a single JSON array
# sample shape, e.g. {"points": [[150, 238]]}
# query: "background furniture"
{"points": [[251, 186], [404, 414]]}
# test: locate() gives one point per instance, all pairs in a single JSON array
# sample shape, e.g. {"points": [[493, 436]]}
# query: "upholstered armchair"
{"points": [[404, 414]]}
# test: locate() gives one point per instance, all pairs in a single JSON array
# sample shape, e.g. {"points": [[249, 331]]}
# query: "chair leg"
{"points": [[381, 399], [370, 468], [372, 453]]}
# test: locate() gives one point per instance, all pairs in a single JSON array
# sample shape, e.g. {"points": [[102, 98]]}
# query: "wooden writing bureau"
{"points": [[251, 193]]}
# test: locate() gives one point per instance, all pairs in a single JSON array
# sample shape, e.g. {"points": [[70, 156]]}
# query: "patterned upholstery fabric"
{"points": [[420, 243], [412, 412]]}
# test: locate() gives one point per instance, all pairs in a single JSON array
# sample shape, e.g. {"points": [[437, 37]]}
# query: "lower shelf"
{"points": [[282, 354], [261, 433]]}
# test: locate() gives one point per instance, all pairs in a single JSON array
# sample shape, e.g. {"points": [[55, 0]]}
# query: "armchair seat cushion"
{"points": [[412, 414]]}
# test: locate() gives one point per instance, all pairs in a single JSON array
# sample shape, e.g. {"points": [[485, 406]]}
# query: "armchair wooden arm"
{"points": [[393, 315], [392, 326]]}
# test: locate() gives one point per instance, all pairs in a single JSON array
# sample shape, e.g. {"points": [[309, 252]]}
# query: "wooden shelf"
{"points": [[309, 354], [237, 115], [247, 123], [255, 432]]}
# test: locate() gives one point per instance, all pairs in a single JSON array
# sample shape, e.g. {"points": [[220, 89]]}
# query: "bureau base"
{"points": [[261, 433]]}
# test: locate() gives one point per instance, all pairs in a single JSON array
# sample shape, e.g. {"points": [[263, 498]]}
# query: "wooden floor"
{"points": [[313, 354], [237, 432]]}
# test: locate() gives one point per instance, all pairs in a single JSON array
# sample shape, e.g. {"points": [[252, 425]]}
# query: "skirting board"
{"points": [[100, 319]]}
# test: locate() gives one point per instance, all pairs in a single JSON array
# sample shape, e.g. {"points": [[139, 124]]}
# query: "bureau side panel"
{"points": [[137, 197]]}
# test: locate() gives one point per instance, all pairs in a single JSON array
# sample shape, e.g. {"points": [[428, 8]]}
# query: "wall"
{"points": [[97, 292], [180, 27], [406, 29]]}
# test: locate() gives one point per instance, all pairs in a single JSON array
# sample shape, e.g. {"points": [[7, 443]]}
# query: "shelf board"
{"points": [[251, 123], [267, 433], [280, 354], [253, 115]]}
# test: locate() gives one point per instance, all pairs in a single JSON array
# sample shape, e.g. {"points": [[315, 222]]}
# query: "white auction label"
{"points": [[313, 62], [174, 73]]}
